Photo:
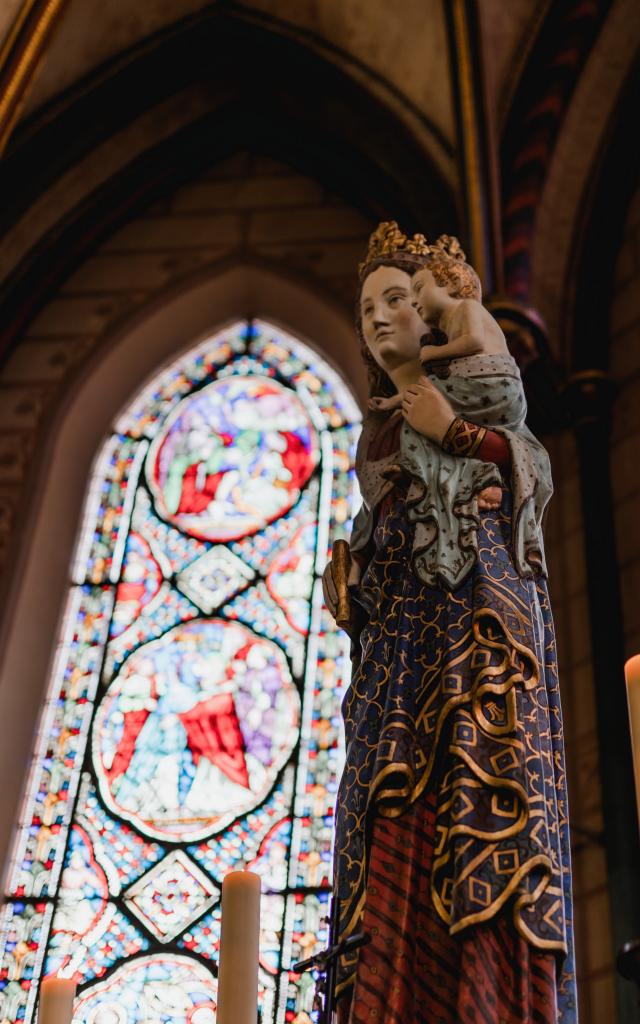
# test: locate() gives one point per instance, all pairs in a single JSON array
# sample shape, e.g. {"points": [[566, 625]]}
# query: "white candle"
{"points": [[632, 673], [56, 1000], [239, 948]]}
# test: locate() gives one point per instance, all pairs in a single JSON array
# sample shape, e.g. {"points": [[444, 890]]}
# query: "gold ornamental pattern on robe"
{"points": [[456, 694]]}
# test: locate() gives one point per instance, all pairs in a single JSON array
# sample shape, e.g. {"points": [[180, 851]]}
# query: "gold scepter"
{"points": [[340, 569]]}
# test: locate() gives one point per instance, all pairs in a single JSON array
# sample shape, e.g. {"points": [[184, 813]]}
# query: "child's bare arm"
{"points": [[464, 345]]}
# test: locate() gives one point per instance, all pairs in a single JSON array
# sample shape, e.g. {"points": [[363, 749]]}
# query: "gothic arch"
{"points": [[196, 93], [155, 336]]}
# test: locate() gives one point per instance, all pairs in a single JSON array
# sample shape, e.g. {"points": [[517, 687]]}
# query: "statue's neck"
{"points": [[406, 374]]}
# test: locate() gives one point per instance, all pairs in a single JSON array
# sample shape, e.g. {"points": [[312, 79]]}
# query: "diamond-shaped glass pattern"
{"points": [[171, 895], [214, 578]]}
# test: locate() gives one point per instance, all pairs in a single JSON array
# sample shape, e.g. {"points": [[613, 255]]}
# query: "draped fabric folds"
{"points": [[454, 786]]}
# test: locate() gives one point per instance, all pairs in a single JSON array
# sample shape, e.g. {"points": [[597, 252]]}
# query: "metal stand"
{"points": [[628, 963], [326, 963]]}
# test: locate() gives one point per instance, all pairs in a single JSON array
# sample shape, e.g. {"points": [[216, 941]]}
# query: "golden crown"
{"points": [[388, 239]]}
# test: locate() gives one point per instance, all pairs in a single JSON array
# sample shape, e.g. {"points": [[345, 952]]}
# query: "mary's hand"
{"points": [[329, 586], [427, 410], [329, 590]]}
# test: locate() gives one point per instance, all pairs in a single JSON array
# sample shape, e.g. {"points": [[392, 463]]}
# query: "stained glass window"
{"points": [[192, 725]]}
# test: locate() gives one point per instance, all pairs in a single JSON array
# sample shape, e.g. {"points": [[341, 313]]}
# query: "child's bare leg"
{"points": [[489, 499]]}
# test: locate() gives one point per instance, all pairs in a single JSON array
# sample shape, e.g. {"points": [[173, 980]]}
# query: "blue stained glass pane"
{"points": [[290, 578], [88, 937], [143, 570], [150, 408], [203, 937], [248, 366], [108, 511], [271, 924], [168, 608], [271, 862], [89, 933], [307, 371], [178, 549], [257, 607], [258, 550], [307, 934], [345, 498], [23, 931], [329, 673], [121, 852], [61, 742]]}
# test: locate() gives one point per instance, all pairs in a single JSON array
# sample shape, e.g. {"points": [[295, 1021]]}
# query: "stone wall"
{"points": [[246, 208]]}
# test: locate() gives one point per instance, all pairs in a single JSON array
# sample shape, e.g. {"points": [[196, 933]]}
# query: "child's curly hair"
{"points": [[447, 262]]}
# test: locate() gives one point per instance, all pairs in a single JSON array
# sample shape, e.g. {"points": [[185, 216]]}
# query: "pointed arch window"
{"points": [[192, 724]]}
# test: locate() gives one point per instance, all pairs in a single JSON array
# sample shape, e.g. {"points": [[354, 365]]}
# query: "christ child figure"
{"points": [[447, 295]]}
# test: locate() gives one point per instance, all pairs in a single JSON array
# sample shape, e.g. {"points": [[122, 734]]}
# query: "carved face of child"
{"points": [[390, 326], [427, 298]]}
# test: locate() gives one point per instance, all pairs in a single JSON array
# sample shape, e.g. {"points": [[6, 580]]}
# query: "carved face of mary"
{"points": [[391, 327]]}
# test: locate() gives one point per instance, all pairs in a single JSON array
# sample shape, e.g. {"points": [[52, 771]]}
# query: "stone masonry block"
{"points": [[44, 360], [247, 194], [21, 408], [123, 271], [327, 223], [67, 317], [165, 234], [329, 258], [15, 451]]}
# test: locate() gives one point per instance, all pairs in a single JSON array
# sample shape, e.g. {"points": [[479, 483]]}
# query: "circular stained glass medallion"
{"points": [[195, 728], [232, 458], [165, 988]]}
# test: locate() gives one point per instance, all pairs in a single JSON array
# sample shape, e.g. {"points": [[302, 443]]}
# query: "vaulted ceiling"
{"points": [[364, 94]]}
